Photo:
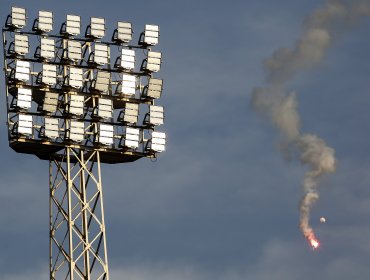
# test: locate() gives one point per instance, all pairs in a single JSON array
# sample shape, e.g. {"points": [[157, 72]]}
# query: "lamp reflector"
{"points": [[49, 74], [73, 25], [132, 138], [24, 98], [124, 31], [105, 108], [131, 113], [75, 77], [128, 59], [101, 54], [22, 70], [21, 45], [154, 61], [154, 89], [76, 131], [158, 142], [25, 124], [51, 128], [50, 102], [102, 81], [76, 105], [74, 51], [47, 48], [151, 34], [128, 86], [45, 21], [106, 134], [97, 27], [18, 17], [156, 115]]}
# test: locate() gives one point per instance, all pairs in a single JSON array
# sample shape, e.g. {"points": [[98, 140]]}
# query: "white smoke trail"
{"points": [[273, 101]]}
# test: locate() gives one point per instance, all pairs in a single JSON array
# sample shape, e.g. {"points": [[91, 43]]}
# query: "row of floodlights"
{"points": [[75, 107], [73, 53], [73, 78], [72, 27], [75, 132]]}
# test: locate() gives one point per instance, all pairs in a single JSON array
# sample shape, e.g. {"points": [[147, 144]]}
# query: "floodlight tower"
{"points": [[68, 104]]}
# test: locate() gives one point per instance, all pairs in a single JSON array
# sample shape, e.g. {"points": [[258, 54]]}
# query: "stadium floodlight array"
{"points": [[68, 103], [71, 76]]}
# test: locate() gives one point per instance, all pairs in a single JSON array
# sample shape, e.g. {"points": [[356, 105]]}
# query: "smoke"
{"points": [[273, 101]]}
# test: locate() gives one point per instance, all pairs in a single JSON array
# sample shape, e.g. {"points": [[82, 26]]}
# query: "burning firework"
{"points": [[280, 106], [314, 242]]}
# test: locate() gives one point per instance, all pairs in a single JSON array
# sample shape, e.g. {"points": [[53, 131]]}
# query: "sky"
{"points": [[221, 202]]}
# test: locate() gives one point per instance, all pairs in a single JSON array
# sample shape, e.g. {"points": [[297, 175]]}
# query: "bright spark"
{"points": [[314, 243]]}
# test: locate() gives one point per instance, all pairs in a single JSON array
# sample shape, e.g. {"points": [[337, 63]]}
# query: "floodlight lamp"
{"points": [[75, 78], [22, 70], [51, 128], [24, 98], [101, 54], [155, 116], [130, 113], [20, 46], [74, 50], [105, 134], [76, 131], [49, 74], [150, 36], [127, 60], [17, 18], [154, 89], [96, 29], [76, 105], [128, 85], [157, 142], [123, 33], [102, 82], [72, 26], [105, 108], [153, 62], [46, 50], [24, 125], [44, 23], [50, 103], [131, 138]]}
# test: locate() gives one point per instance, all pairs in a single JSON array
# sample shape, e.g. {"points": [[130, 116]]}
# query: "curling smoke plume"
{"points": [[273, 100]]}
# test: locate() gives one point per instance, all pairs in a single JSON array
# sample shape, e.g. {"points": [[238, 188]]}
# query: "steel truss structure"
{"points": [[77, 229], [71, 103]]}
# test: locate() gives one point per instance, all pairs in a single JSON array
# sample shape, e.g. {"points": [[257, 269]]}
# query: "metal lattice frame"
{"points": [[77, 229]]}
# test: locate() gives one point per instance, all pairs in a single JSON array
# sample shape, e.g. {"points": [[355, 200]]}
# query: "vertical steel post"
{"points": [[77, 231]]}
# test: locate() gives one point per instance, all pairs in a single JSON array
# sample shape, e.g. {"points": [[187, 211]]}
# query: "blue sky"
{"points": [[221, 202]]}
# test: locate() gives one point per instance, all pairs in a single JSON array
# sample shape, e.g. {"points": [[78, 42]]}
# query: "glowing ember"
{"points": [[314, 243]]}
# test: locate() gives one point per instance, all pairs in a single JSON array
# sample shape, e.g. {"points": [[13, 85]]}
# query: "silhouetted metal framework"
{"points": [[78, 101], [77, 229]]}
